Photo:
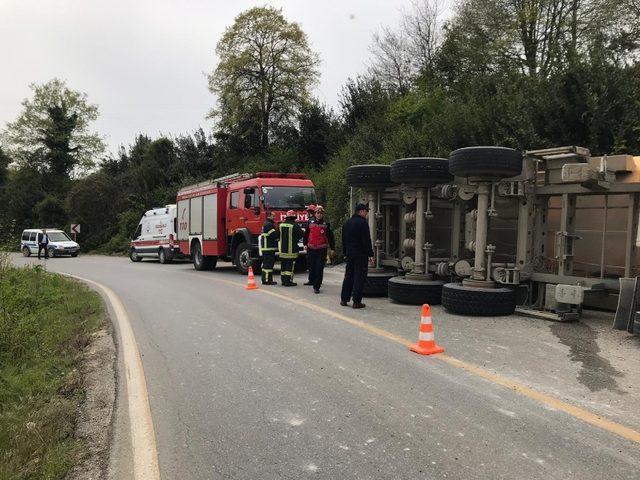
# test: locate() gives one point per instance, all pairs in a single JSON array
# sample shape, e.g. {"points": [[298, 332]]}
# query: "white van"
{"points": [[155, 236], [59, 243]]}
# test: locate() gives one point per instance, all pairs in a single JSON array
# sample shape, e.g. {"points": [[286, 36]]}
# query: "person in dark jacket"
{"points": [[319, 239], [357, 249], [43, 244], [290, 235], [268, 244]]}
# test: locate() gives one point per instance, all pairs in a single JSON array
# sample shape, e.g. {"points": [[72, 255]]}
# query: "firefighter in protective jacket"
{"points": [[268, 244], [290, 235]]}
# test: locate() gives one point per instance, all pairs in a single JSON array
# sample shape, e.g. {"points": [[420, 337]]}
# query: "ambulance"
{"points": [[155, 236]]}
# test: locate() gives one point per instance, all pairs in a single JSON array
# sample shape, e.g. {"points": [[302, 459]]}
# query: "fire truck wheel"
{"points": [[164, 256], [133, 255], [415, 292], [377, 284], [478, 302], [486, 162], [369, 176], [202, 262], [421, 171], [244, 258]]}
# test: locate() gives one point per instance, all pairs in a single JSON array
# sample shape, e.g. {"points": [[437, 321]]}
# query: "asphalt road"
{"points": [[247, 385]]}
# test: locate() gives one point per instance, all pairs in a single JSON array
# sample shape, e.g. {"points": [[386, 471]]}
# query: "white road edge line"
{"points": [[143, 439]]}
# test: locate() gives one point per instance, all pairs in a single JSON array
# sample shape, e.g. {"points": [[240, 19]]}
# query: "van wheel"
{"points": [[26, 251], [133, 255], [163, 256], [52, 252], [74, 255]]}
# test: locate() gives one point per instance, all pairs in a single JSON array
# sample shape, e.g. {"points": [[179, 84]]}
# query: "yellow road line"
{"points": [[143, 438], [574, 411]]}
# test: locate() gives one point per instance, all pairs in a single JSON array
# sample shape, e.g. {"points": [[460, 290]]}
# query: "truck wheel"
{"points": [[411, 291], [478, 302], [26, 251], [198, 258], [377, 284], [369, 176], [133, 255], [164, 256], [421, 171], [487, 162], [243, 259]]}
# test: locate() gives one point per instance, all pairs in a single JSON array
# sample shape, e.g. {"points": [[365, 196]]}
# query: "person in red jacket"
{"points": [[319, 239]]}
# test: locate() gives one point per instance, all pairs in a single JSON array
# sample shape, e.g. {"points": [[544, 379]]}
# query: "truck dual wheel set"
{"points": [[416, 206]]}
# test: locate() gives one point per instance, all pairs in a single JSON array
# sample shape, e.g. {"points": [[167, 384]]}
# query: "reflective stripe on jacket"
{"points": [[290, 235], [268, 239]]}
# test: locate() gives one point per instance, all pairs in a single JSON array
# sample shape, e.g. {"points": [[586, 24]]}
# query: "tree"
{"points": [[401, 55], [5, 161], [265, 73], [53, 131]]}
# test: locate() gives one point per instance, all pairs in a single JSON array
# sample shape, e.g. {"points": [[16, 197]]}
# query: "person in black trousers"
{"points": [[319, 239], [268, 243], [290, 235], [357, 249], [43, 244]]}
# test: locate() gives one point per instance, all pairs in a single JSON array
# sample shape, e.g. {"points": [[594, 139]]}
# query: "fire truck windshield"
{"points": [[288, 197]]}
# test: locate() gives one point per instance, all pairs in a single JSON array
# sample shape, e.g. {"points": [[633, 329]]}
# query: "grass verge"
{"points": [[45, 322]]}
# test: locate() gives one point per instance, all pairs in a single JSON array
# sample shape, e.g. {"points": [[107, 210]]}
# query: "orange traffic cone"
{"points": [[251, 280], [426, 341]]}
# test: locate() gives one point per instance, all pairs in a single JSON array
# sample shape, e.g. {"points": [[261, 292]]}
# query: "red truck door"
{"points": [[252, 210], [235, 214]]}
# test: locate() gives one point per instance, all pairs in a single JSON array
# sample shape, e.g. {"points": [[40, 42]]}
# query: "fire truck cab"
{"points": [[221, 219]]}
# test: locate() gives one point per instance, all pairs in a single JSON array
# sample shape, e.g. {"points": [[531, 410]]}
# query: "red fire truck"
{"points": [[221, 219]]}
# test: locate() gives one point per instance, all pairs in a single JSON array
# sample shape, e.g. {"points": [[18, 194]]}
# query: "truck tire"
{"points": [[486, 162], [369, 176], [377, 284], [243, 258], [133, 255], [415, 292], [478, 302], [203, 262], [164, 256], [421, 171], [26, 252]]}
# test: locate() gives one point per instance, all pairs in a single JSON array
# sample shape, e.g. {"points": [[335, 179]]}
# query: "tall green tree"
{"points": [[264, 75], [53, 131]]}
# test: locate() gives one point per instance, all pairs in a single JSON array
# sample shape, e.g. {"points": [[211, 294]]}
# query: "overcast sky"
{"points": [[144, 62]]}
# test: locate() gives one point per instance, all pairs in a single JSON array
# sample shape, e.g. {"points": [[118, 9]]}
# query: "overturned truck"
{"points": [[491, 230]]}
